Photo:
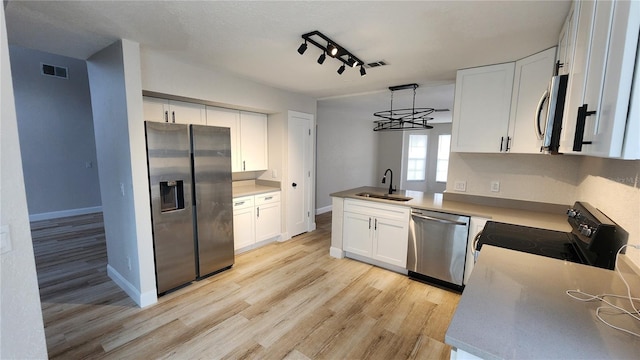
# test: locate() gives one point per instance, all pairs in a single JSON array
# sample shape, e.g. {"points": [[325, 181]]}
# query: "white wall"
{"points": [[347, 150], [613, 186], [55, 126], [21, 325], [538, 177], [114, 77]]}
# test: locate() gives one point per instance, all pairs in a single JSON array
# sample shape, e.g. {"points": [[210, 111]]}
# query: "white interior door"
{"points": [[299, 185]]}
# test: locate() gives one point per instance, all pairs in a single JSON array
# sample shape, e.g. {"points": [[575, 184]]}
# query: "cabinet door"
{"points": [[357, 237], [253, 141], [243, 227], [532, 76], [566, 41], [155, 109], [481, 109], [186, 113], [230, 119], [267, 221], [391, 240]]}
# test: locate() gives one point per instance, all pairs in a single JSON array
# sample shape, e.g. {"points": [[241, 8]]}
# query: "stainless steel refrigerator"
{"points": [[191, 201]]}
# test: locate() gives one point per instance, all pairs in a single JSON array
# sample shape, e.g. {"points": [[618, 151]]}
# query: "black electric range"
{"points": [[594, 239]]}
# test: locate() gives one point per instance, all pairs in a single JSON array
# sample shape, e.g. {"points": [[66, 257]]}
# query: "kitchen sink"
{"points": [[384, 196]]}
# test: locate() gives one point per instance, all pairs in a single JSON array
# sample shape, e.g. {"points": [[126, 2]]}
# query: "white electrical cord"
{"points": [[615, 310]]}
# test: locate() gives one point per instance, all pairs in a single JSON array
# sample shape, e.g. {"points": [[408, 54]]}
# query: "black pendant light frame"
{"points": [[404, 119]]}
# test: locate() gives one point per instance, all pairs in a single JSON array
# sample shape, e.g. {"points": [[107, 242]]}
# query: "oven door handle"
{"points": [[444, 221]]}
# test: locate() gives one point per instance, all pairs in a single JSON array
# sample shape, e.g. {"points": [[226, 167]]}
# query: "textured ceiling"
{"points": [[423, 42]]}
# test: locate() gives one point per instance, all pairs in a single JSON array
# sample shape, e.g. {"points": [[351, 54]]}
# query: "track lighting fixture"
{"points": [[302, 48], [333, 49], [321, 58]]}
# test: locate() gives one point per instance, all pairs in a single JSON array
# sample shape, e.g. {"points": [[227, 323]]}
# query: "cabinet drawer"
{"points": [[268, 198], [377, 209], [242, 202]]}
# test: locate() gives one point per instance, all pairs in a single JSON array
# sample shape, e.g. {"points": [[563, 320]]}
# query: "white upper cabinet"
{"points": [[531, 80], [566, 42], [481, 109], [179, 112], [253, 141], [230, 119], [596, 118], [248, 137]]}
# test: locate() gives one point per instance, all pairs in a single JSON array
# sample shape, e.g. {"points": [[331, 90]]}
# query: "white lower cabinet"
{"points": [[375, 231], [267, 215], [243, 222], [475, 228], [256, 220]]}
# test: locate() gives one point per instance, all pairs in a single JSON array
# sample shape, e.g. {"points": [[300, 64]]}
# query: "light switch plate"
{"points": [[460, 186], [495, 186], [5, 239]]}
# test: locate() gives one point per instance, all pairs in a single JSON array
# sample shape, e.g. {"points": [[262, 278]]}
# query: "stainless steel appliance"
{"points": [[437, 247], [594, 239], [191, 201], [548, 129]]}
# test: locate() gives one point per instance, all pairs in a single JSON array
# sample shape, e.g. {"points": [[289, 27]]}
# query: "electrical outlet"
{"points": [[460, 186], [495, 186], [274, 173], [122, 189]]}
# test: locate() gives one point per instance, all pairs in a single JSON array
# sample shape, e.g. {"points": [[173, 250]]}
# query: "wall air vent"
{"points": [[376, 64], [57, 71]]}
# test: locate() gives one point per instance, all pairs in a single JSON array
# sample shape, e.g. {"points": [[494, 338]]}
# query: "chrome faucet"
{"points": [[384, 179]]}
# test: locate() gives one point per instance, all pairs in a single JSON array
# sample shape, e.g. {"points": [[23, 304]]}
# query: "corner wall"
{"points": [[114, 78], [21, 326], [55, 125]]}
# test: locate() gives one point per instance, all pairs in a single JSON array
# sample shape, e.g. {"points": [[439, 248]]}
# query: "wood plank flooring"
{"points": [[286, 300]]}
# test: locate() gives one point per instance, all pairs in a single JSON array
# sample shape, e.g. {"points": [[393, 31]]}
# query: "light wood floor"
{"points": [[286, 300]]}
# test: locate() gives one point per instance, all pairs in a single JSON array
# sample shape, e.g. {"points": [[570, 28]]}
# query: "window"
{"points": [[442, 164], [417, 160]]}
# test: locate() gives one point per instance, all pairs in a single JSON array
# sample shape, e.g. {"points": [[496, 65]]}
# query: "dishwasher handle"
{"points": [[444, 221]]}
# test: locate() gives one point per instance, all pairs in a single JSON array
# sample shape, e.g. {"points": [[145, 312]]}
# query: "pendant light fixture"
{"points": [[404, 119], [333, 49]]}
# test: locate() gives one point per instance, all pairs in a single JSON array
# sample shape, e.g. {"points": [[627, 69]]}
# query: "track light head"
{"points": [[332, 50], [321, 58], [352, 63], [362, 71], [341, 69], [302, 48]]}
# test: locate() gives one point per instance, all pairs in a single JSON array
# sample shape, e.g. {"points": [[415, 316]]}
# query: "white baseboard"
{"points": [[377, 263], [142, 299], [336, 252], [323, 210], [64, 213]]}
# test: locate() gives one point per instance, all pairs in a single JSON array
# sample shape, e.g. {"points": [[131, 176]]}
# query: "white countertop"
{"points": [[436, 202], [515, 307], [253, 189]]}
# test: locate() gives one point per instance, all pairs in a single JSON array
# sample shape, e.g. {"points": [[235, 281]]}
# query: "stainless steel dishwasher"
{"points": [[437, 247]]}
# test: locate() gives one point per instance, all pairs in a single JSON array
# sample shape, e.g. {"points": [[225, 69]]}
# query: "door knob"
{"points": [[294, 184]]}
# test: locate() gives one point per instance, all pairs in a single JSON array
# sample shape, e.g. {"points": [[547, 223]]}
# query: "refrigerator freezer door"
{"points": [[211, 148], [168, 155]]}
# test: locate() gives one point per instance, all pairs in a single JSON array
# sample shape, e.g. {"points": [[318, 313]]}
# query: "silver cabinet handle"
{"points": [[444, 221], [369, 223], [239, 203], [173, 117], [375, 224], [166, 116], [258, 210], [244, 167], [269, 198]]}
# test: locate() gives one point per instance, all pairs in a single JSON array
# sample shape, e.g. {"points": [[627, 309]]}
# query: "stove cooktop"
{"points": [[549, 243]]}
